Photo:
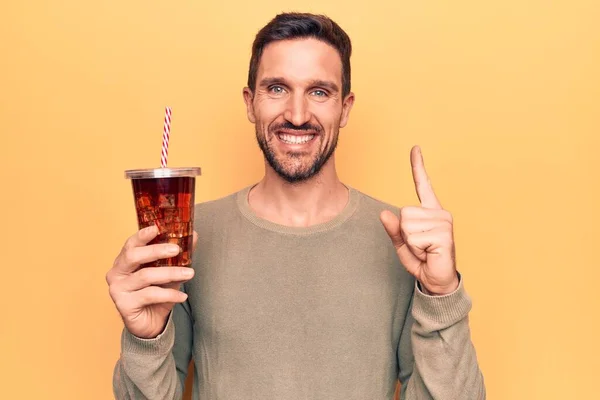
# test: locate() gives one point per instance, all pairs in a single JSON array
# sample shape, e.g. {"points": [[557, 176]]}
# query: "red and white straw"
{"points": [[165, 142]]}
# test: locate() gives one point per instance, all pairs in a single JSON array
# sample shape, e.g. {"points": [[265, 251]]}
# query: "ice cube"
{"points": [[180, 229], [163, 228], [144, 200], [171, 215], [166, 200], [184, 199], [148, 215], [186, 214]]}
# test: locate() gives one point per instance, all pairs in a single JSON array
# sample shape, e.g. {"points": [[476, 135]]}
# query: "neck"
{"points": [[314, 201]]}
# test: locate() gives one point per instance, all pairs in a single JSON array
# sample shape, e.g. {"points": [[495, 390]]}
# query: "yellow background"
{"points": [[503, 97]]}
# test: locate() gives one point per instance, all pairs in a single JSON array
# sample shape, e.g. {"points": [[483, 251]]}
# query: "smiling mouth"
{"points": [[295, 139]]}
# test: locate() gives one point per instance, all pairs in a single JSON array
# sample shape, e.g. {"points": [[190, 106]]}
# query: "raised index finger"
{"points": [[422, 183]]}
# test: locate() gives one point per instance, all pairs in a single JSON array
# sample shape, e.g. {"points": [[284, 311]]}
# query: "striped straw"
{"points": [[165, 142]]}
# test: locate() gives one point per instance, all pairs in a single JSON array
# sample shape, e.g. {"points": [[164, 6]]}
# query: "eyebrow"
{"points": [[315, 82], [325, 84]]}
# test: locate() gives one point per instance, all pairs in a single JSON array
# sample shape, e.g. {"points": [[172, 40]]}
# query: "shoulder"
{"points": [[366, 216], [368, 204], [219, 208], [220, 203]]}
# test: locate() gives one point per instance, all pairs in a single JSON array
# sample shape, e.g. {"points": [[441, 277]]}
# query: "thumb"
{"points": [[391, 223]]}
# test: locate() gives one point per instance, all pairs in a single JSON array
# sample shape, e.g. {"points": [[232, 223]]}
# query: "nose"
{"points": [[296, 111]]}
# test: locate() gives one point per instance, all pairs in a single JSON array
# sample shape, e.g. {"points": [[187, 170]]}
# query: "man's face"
{"points": [[297, 106]]}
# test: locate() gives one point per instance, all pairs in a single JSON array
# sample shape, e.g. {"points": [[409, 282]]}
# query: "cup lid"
{"points": [[162, 172]]}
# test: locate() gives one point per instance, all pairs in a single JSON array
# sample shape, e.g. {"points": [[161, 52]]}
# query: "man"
{"points": [[296, 290]]}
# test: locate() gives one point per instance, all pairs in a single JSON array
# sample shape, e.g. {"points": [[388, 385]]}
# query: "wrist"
{"points": [[440, 290], [161, 344]]}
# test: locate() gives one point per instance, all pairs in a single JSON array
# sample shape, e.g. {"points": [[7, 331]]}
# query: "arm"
{"points": [[155, 368], [436, 356]]}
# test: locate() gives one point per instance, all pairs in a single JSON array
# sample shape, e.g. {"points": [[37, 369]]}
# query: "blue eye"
{"points": [[276, 89], [320, 93]]}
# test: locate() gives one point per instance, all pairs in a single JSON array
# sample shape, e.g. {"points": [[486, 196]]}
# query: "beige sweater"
{"points": [[319, 313]]}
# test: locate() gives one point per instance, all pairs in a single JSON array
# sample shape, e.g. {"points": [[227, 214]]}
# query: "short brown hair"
{"points": [[288, 26]]}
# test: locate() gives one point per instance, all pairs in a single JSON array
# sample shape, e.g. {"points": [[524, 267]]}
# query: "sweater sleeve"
{"points": [[436, 356], [156, 368]]}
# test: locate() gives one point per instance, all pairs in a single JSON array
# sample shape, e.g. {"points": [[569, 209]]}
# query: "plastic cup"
{"points": [[165, 197]]}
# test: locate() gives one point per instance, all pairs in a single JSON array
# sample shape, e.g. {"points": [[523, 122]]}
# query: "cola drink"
{"points": [[165, 197]]}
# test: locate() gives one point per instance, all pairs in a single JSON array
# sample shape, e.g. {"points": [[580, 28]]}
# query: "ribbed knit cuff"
{"points": [[161, 344], [439, 312]]}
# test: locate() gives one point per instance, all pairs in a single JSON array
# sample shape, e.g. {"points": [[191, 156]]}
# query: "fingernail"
{"points": [[187, 272], [173, 249]]}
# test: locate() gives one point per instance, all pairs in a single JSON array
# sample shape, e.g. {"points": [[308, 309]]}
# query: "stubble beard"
{"points": [[292, 169]]}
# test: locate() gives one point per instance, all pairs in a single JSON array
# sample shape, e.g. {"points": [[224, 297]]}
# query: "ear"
{"points": [[248, 98], [346, 107]]}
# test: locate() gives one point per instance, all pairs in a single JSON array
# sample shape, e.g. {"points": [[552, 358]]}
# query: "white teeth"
{"points": [[293, 139]]}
